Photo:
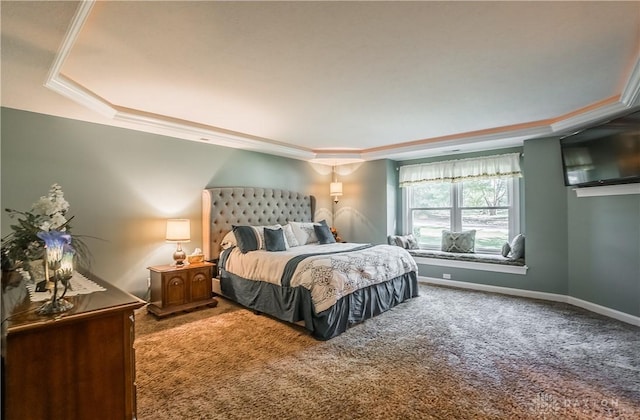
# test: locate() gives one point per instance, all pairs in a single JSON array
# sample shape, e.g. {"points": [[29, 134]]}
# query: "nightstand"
{"points": [[175, 289]]}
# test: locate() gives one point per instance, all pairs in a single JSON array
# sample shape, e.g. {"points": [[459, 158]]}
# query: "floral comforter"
{"points": [[329, 271]]}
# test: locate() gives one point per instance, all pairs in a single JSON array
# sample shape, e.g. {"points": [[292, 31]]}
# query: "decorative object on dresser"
{"points": [[175, 289], [79, 364], [178, 230], [58, 257], [23, 250]]}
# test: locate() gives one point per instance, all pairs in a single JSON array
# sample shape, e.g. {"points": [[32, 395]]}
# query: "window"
{"points": [[441, 197], [488, 206]]}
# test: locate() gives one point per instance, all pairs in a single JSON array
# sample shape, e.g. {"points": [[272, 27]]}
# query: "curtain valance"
{"points": [[487, 167]]}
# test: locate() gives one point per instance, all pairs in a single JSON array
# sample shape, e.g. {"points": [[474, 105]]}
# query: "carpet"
{"points": [[447, 354]]}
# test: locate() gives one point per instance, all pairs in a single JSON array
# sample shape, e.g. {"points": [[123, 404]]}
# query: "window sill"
{"points": [[473, 265]]}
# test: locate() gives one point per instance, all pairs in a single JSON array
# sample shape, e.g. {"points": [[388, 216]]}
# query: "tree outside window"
{"points": [[487, 205]]}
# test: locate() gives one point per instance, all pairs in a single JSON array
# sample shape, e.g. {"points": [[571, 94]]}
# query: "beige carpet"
{"points": [[448, 354]]}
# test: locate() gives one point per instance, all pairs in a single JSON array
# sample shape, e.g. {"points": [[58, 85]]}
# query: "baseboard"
{"points": [[603, 310], [554, 297]]}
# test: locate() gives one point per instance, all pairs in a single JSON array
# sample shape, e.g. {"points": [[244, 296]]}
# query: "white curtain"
{"points": [[487, 167]]}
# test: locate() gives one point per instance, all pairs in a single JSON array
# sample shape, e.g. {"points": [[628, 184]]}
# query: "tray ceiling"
{"points": [[329, 81]]}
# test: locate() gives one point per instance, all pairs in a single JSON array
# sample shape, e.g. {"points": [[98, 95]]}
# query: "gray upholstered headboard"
{"points": [[226, 206]]}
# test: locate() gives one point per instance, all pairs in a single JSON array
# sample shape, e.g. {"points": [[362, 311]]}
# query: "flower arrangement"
{"points": [[26, 242]]}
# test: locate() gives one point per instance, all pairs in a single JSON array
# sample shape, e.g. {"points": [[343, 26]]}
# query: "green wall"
{"points": [[587, 248], [123, 184], [604, 250], [368, 204]]}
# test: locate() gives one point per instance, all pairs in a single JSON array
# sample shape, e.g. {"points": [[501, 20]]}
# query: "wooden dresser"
{"points": [[75, 365]]}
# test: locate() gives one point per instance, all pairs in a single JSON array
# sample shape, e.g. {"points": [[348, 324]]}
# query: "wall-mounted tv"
{"points": [[604, 155]]}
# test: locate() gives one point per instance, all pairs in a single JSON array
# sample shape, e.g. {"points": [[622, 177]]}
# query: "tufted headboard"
{"points": [[226, 206]]}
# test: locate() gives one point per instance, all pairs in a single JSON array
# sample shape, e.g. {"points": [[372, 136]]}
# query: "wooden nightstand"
{"points": [[175, 289]]}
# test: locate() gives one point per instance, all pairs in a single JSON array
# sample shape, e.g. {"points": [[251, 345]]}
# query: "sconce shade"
{"points": [[335, 189], [178, 230]]}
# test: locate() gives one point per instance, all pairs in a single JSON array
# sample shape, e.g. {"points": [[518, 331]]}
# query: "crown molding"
{"points": [[631, 93], [496, 140], [165, 125], [588, 118]]}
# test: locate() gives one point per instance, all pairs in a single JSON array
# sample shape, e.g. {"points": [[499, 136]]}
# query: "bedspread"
{"points": [[329, 271]]}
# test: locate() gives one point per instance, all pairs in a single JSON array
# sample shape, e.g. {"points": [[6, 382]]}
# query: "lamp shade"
{"points": [[335, 189], [178, 230]]}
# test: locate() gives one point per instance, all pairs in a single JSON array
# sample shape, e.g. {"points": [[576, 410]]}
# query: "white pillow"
{"points": [[289, 237], [229, 240], [304, 232]]}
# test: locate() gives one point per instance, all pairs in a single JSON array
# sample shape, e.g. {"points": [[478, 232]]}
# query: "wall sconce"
{"points": [[335, 188], [178, 230]]}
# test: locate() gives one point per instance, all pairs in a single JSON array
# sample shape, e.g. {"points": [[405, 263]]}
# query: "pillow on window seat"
{"points": [[463, 242], [403, 241], [516, 248]]}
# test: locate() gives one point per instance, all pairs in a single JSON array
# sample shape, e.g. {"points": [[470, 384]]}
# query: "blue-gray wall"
{"points": [[123, 184], [587, 248], [604, 250], [368, 204]]}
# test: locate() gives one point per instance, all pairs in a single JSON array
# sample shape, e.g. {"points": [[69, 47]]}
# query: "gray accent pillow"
{"points": [[247, 238], [517, 247], [274, 240], [323, 232], [506, 248], [463, 242], [406, 241]]}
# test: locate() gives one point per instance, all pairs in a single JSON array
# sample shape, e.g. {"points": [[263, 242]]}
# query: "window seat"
{"points": [[461, 256], [471, 261]]}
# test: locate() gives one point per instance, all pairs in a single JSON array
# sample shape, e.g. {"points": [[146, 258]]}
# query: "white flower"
{"points": [[43, 206], [57, 220], [45, 226], [53, 203]]}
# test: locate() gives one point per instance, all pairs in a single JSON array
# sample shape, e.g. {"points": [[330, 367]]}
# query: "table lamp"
{"points": [[179, 230]]}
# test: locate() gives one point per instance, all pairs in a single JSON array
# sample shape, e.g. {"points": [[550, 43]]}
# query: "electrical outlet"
{"points": [[446, 276]]}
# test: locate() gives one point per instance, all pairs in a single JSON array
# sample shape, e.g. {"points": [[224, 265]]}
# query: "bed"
{"points": [[292, 270]]}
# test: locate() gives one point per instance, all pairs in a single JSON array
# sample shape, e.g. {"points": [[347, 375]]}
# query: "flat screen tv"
{"points": [[604, 155]]}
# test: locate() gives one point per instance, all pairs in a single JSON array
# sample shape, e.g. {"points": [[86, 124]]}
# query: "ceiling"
{"points": [[326, 81]]}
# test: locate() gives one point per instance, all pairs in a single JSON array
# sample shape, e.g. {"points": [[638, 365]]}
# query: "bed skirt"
{"points": [[293, 304]]}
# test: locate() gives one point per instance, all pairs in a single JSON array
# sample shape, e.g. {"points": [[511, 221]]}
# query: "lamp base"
{"points": [[179, 256], [55, 306]]}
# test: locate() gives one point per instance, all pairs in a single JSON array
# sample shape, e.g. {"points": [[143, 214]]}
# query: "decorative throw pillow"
{"points": [[274, 239], [229, 240], [260, 230], [459, 241], [247, 237], [407, 241], [323, 232], [304, 232], [401, 241], [506, 248], [289, 236], [517, 247]]}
